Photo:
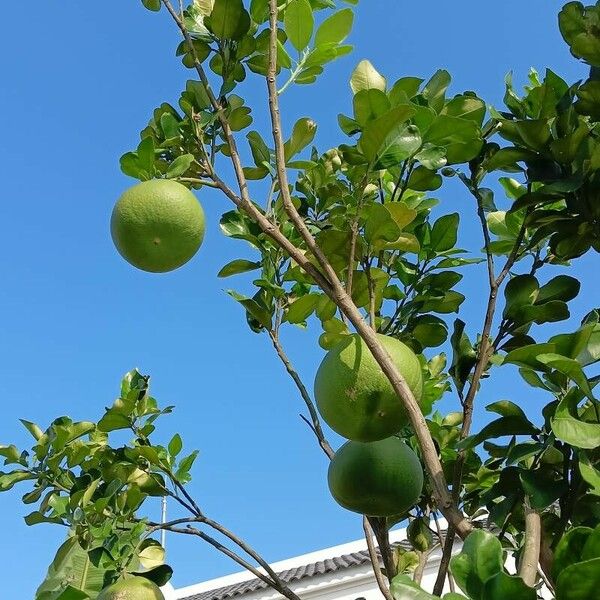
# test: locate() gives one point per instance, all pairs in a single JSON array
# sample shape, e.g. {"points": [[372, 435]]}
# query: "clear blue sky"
{"points": [[79, 81]]}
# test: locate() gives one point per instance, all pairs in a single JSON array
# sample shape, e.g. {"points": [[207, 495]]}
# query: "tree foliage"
{"points": [[364, 214]]}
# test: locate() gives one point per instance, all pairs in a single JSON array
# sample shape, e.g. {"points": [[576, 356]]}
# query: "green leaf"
{"points": [[562, 287], [336, 28], [504, 426], [388, 137], [229, 20], [72, 568], [569, 549], [479, 560], [299, 23], [151, 554], [9, 480], [153, 5], [303, 134], [299, 310], [175, 445], [444, 233], [580, 581], [569, 367], [237, 266], [366, 77], [591, 549], [520, 291], [182, 473], [541, 488], [404, 588], [466, 107], [503, 587], [435, 89], [579, 27], [33, 429], [253, 308], [589, 473], [429, 331], [568, 428], [369, 105], [380, 225], [258, 148], [180, 165], [423, 180]]}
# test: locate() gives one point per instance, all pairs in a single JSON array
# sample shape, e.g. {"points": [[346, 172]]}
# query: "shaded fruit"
{"points": [[132, 588], [354, 396], [157, 225], [379, 479]]}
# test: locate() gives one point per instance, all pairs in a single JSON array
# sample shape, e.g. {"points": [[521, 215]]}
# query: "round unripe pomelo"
{"points": [[378, 479], [157, 225], [354, 396], [132, 588]]}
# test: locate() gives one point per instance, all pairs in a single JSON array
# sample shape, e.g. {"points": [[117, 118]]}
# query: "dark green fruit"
{"points": [[379, 479]]}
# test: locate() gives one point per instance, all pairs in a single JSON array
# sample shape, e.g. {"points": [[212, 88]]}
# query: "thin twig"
{"points": [[275, 583], [375, 560], [314, 415]]}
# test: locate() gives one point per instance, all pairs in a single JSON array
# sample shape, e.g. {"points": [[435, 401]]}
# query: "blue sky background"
{"points": [[79, 80]]}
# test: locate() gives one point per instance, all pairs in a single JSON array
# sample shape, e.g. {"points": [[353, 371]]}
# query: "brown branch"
{"points": [[274, 582], [240, 543], [314, 415], [384, 589], [339, 295], [328, 280], [486, 350], [530, 556]]}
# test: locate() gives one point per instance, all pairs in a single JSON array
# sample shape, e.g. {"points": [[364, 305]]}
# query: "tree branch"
{"points": [[530, 556], [314, 415], [328, 280], [339, 295], [369, 534], [274, 582]]}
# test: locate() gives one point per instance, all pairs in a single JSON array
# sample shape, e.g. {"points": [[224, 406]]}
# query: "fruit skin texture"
{"points": [[132, 588], [354, 396], [378, 479], [157, 225]]}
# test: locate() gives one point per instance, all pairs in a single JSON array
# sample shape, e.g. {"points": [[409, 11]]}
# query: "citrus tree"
{"points": [[345, 240]]}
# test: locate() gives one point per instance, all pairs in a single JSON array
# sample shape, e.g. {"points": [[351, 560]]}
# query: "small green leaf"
{"points": [[366, 77], [153, 5], [229, 20], [253, 308], [568, 428], [299, 23], [479, 560], [404, 588], [175, 445], [336, 28], [180, 165], [303, 134], [444, 233], [237, 266], [589, 473], [299, 310]]}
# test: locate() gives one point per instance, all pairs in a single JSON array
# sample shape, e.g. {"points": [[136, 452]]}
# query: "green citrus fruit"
{"points": [[157, 225], [132, 588], [379, 479], [354, 396]]}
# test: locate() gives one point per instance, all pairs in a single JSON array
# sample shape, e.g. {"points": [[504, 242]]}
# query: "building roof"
{"points": [[320, 567]]}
